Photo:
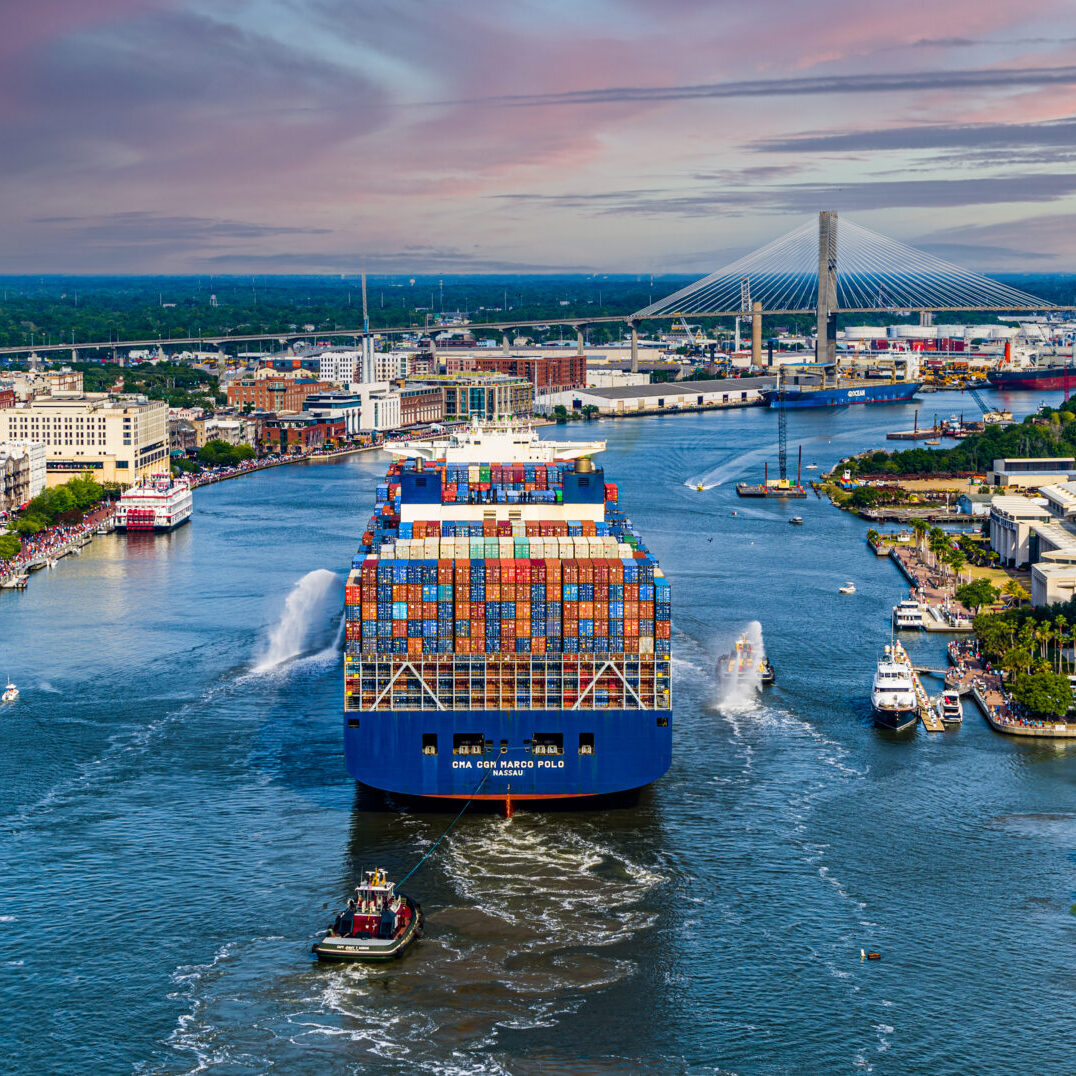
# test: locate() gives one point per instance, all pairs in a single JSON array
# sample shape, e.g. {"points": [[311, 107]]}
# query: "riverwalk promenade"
{"points": [[970, 673], [935, 591]]}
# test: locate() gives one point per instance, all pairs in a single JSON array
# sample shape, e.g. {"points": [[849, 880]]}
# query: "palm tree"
{"points": [[1060, 630], [1016, 590], [919, 529]]}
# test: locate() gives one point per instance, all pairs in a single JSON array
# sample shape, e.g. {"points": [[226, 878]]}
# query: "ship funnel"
{"points": [[584, 465]]}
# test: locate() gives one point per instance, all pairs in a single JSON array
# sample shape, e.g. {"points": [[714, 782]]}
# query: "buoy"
{"points": [[874, 956]]}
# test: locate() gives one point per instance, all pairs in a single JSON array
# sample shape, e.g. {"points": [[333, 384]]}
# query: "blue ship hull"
{"points": [[901, 392], [631, 748]]}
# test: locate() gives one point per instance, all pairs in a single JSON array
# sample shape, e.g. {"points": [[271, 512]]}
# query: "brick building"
{"points": [[279, 394], [299, 433], [421, 403], [7, 397], [547, 373]]}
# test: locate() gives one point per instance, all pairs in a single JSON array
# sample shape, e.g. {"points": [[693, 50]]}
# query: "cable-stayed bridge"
{"points": [[822, 269]]}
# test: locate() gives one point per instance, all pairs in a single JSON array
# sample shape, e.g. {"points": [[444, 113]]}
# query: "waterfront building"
{"points": [[380, 408], [1011, 523], [602, 378], [301, 432], [276, 393], [118, 439], [486, 395], [336, 406], [421, 403], [1032, 472], [22, 472], [974, 504], [681, 396], [341, 366]]}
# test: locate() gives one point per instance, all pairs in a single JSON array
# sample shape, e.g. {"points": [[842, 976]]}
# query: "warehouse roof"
{"points": [[682, 388]]}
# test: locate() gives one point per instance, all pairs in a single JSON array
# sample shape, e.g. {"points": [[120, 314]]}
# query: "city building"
{"points": [[547, 373], [1032, 472], [1011, 522], [420, 404], [380, 408], [117, 439], [341, 366], [22, 473], [974, 504], [279, 394], [485, 395], [336, 406], [601, 378], [7, 397], [300, 432]]}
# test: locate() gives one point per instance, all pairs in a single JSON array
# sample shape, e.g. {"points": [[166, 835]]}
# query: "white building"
{"points": [[1032, 471], [22, 472], [679, 396], [116, 439], [614, 379], [380, 408], [341, 366], [1011, 522]]}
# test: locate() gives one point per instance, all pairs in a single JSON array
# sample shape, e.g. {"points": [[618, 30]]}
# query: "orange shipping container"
{"points": [[429, 610], [399, 629], [538, 644], [646, 610], [523, 628], [414, 646], [523, 610], [369, 610]]}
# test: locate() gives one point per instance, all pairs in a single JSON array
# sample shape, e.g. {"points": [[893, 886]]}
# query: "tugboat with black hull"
{"points": [[378, 924], [893, 698]]}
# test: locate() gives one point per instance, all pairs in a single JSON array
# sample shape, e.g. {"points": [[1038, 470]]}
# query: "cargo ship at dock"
{"points": [[845, 394], [1033, 377], [508, 635]]}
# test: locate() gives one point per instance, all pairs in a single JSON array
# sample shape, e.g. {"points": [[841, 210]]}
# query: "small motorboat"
{"points": [[766, 674], [811, 467], [796, 521], [377, 924], [700, 488], [11, 693], [950, 708], [933, 442], [848, 588]]}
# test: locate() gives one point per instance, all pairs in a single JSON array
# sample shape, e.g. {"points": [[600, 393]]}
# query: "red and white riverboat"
{"points": [[160, 504]]}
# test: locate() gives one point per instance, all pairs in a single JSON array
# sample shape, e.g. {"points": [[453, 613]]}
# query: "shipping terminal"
{"points": [[508, 635]]}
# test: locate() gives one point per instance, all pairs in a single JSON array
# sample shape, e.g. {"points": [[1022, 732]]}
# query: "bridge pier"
{"points": [[826, 323], [756, 335], [634, 346], [505, 345], [580, 343]]}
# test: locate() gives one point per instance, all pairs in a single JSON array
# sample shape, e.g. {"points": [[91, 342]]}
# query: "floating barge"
{"points": [[782, 488]]}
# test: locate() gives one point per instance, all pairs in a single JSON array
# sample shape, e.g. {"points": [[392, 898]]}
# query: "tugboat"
{"points": [[378, 924], [11, 693], [741, 660], [766, 673]]}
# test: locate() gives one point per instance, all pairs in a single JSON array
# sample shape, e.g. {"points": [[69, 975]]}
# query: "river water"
{"points": [[177, 820]]}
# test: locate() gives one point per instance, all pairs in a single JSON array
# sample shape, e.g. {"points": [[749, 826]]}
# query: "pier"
{"points": [[941, 610]]}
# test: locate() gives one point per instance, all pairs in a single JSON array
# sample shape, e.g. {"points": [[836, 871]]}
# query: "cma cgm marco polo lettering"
{"points": [[506, 631]]}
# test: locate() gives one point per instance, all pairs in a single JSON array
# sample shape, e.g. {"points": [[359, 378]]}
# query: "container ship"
{"points": [[160, 504], [508, 635]]}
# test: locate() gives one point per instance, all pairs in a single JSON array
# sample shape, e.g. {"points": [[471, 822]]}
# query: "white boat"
{"points": [[160, 504], [796, 521], [11, 693], [908, 615], [811, 467], [848, 588], [951, 708], [893, 691]]}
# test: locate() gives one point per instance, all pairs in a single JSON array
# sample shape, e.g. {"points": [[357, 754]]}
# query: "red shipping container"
{"points": [[662, 629], [611, 492], [537, 571], [428, 610], [631, 592], [399, 629], [352, 595], [462, 645], [353, 631], [631, 644], [538, 644], [586, 571]]}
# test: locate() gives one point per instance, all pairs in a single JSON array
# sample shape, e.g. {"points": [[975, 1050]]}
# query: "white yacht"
{"points": [[11, 693], [893, 691], [848, 588], [908, 615], [951, 708]]}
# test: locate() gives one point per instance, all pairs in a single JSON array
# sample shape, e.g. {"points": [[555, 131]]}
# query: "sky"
{"points": [[421, 136]]}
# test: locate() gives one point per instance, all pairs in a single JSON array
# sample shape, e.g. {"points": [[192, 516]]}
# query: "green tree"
{"points": [[1045, 693], [919, 529], [976, 594], [29, 524], [1016, 590], [10, 546]]}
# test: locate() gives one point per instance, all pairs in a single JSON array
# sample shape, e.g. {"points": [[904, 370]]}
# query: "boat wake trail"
{"points": [[732, 468], [531, 904], [310, 613]]}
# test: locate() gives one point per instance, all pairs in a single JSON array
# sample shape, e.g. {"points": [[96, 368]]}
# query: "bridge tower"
{"points": [[826, 346]]}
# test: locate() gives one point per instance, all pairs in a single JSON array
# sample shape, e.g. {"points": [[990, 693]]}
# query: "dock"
{"points": [[930, 717]]}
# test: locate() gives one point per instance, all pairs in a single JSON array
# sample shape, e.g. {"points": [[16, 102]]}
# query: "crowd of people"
{"points": [[53, 542]]}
